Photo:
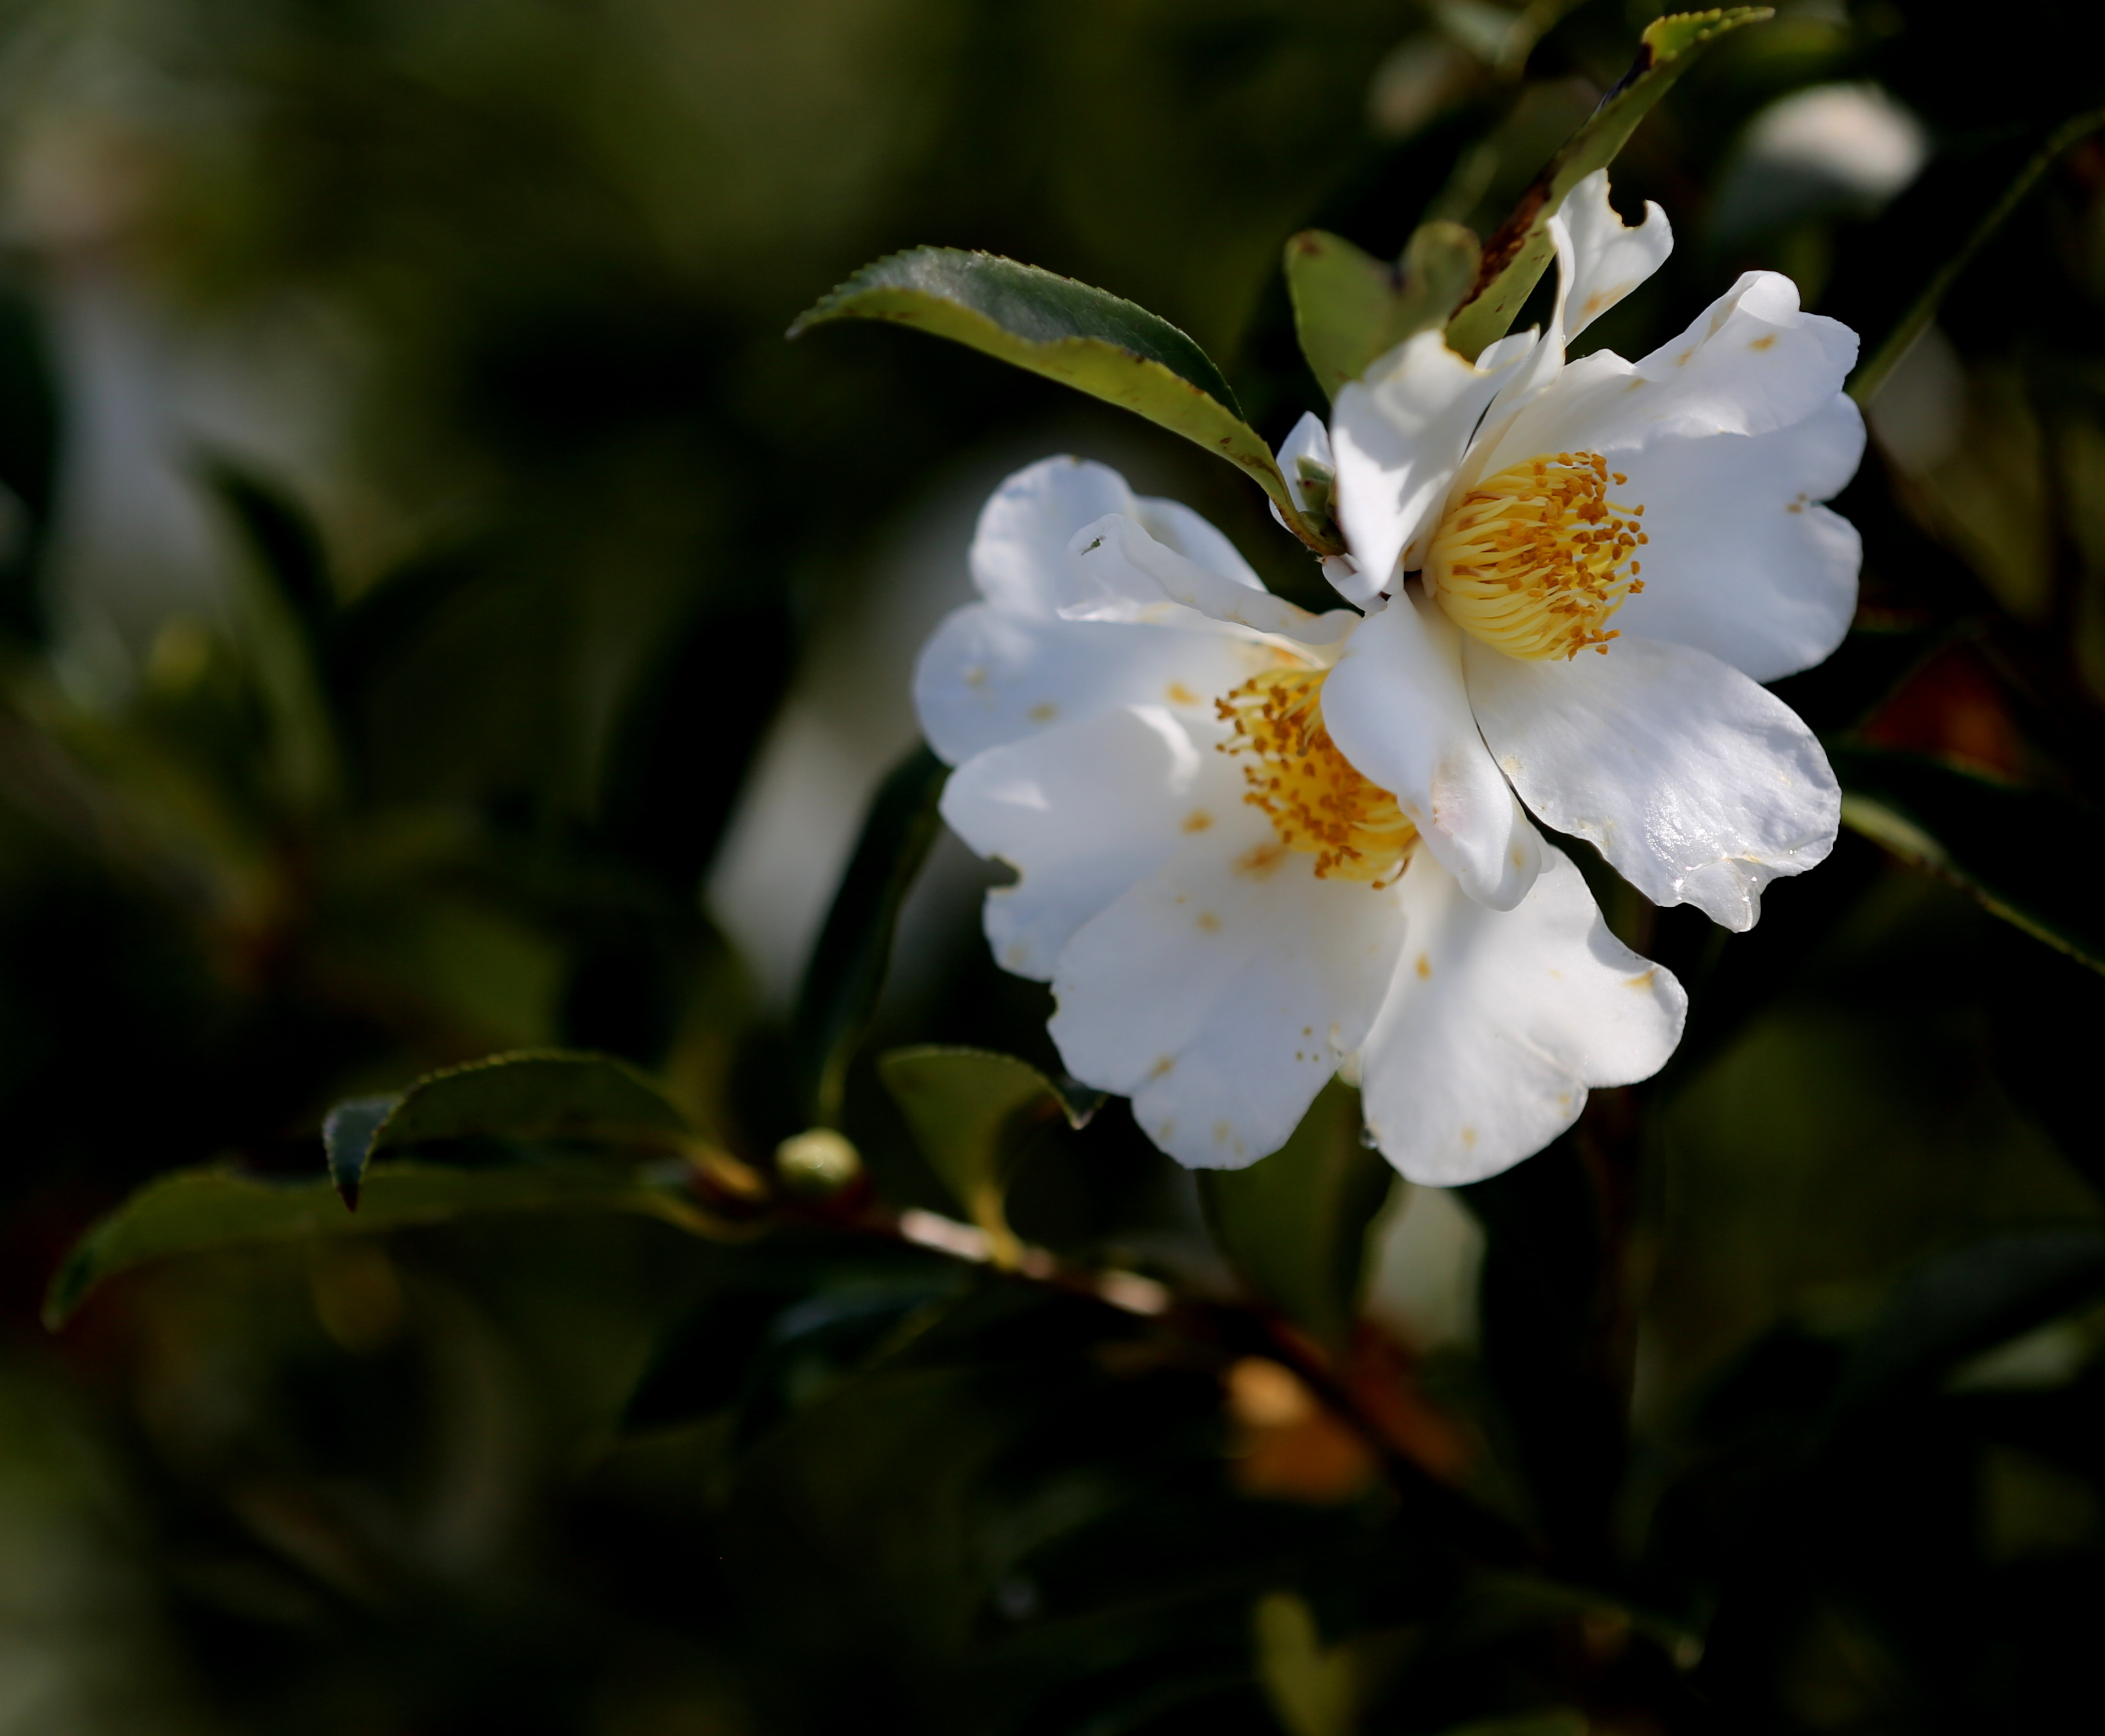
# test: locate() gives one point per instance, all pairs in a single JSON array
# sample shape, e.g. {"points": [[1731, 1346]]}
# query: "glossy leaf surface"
{"points": [[1083, 338]]}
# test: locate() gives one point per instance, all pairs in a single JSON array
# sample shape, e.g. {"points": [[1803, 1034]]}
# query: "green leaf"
{"points": [[854, 949], [1083, 338], [1310, 1686], [1520, 249], [1965, 1299], [197, 1210], [530, 1095], [1872, 371], [1350, 307], [2019, 851], [966, 1107], [1294, 1224]]}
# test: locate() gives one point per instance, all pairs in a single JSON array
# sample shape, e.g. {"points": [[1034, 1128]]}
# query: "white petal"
{"points": [[1396, 707], [1743, 561], [1608, 259], [1220, 992], [990, 676], [1751, 363], [1082, 812], [1309, 439], [1399, 432], [1698, 785], [1498, 1021], [1019, 553], [1174, 524], [1122, 573]]}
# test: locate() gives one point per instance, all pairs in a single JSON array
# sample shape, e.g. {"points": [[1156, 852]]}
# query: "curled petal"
{"points": [[1498, 1022], [1019, 552], [990, 676], [1397, 706], [1399, 433], [1120, 573], [1698, 785], [1222, 991], [1600, 258], [1082, 812]]}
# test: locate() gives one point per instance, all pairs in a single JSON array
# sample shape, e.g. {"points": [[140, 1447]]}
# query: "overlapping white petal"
{"points": [[1497, 1024], [1398, 434], [1698, 785], [1200, 965], [1120, 572], [1396, 707]]}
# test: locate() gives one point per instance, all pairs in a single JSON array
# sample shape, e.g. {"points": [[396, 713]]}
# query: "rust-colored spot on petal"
{"points": [[1642, 984], [1044, 711], [1424, 966], [1208, 923], [1766, 340], [1261, 861], [1178, 694], [1197, 820], [1160, 1069]]}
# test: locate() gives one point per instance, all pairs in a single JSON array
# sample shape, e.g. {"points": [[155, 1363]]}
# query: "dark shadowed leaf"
{"points": [[1083, 338], [1967, 1300], [854, 949], [284, 542], [533, 1095], [2022, 852], [1350, 307], [1294, 1224], [971, 1110], [196, 1210], [1520, 249]]}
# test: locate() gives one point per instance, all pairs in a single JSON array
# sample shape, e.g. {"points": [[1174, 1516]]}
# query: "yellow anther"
{"points": [[1534, 558], [1317, 803]]}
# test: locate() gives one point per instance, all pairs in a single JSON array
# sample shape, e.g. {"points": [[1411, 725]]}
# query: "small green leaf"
{"points": [[854, 949], [196, 1211], [1295, 1224], [1312, 1686], [348, 1132], [1350, 307], [1083, 338], [532, 1094], [966, 1107], [2017, 850], [1520, 249], [1872, 371]]}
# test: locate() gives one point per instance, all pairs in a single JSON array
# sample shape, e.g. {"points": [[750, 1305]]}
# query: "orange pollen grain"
{"points": [[1317, 803], [1535, 558]]}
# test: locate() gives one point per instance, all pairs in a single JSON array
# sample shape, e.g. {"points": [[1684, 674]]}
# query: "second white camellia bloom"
{"points": [[1227, 911], [1593, 565]]}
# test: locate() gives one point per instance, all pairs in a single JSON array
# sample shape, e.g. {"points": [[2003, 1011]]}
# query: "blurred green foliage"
{"points": [[418, 538]]}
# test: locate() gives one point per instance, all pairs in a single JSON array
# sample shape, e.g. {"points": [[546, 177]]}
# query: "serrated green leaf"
{"points": [[968, 1108], [1294, 1224], [196, 1211], [1084, 337], [1350, 307], [854, 949], [534, 1094], [2019, 851], [1520, 249]]}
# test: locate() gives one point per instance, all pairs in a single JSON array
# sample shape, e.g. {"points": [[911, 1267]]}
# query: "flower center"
{"points": [[1317, 803], [1534, 559]]}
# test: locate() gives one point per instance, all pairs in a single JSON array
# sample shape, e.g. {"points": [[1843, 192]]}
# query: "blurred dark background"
{"points": [[440, 614]]}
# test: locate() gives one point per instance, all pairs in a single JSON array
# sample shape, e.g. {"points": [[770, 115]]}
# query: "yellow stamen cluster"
{"points": [[1317, 803], [1535, 558]]}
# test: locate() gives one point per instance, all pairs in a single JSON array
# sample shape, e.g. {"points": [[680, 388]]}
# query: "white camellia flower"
{"points": [[1593, 565], [1227, 911]]}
